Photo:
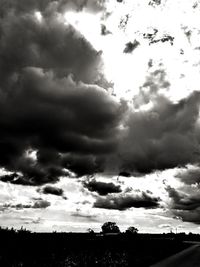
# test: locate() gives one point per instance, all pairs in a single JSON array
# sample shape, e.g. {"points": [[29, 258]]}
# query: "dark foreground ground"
{"points": [[85, 250], [189, 257]]}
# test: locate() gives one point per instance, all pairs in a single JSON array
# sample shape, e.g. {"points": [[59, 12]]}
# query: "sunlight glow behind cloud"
{"points": [[128, 71]]}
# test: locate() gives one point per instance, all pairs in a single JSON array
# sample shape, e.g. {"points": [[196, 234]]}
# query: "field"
{"points": [[84, 250]]}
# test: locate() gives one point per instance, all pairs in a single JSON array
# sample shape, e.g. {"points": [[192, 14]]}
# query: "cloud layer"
{"points": [[126, 201], [51, 103], [165, 136], [102, 188], [39, 204], [57, 116], [185, 205]]}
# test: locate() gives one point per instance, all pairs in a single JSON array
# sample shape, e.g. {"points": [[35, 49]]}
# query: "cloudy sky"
{"points": [[99, 114]]}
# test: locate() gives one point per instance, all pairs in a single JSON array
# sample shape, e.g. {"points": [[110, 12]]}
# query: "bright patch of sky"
{"points": [[133, 20]]}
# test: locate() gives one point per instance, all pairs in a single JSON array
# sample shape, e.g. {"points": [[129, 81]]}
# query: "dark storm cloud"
{"points": [[82, 121], [189, 176], [102, 188], [166, 136], [75, 126], [9, 177], [123, 202], [53, 100], [49, 98], [124, 174], [33, 173], [183, 201], [84, 165], [25, 42], [53, 190], [192, 216], [185, 206]]}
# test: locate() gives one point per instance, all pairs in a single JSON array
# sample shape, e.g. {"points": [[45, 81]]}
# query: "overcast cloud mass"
{"points": [[101, 105]]}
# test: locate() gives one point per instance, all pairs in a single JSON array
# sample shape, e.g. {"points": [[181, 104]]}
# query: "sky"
{"points": [[99, 114]]}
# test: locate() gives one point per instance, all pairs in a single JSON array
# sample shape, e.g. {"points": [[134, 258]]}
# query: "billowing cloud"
{"points": [[82, 119], [88, 88], [53, 190], [50, 99], [164, 136], [192, 216], [189, 175], [123, 202], [185, 206], [41, 204], [102, 188], [85, 128], [52, 102], [68, 52], [183, 201]]}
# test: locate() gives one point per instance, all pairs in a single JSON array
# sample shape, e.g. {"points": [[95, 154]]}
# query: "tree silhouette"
{"points": [[132, 230], [110, 227], [90, 231]]}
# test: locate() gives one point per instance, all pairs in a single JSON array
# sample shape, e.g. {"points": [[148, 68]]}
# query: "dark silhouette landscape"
{"points": [[108, 248]]}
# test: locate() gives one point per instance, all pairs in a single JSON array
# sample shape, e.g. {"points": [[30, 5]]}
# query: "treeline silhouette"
{"points": [[110, 247]]}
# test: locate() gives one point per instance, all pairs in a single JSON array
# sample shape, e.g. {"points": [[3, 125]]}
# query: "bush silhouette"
{"points": [[131, 230], [110, 227]]}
